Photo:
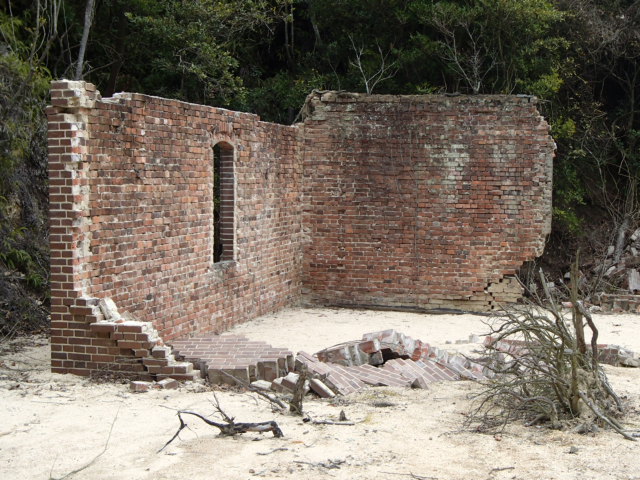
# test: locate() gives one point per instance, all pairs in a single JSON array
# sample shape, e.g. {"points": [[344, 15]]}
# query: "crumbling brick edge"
{"points": [[128, 346]]}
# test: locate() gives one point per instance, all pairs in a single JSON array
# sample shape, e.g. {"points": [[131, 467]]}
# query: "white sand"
{"points": [[52, 424]]}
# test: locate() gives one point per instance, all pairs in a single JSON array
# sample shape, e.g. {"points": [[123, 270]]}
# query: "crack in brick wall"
{"points": [[374, 200]]}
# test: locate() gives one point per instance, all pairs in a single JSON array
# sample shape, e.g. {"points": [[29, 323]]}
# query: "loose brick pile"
{"points": [[620, 303], [419, 202], [386, 358], [608, 354]]}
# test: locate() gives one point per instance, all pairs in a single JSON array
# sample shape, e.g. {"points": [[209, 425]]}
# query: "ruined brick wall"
{"points": [[422, 202], [374, 200], [131, 193]]}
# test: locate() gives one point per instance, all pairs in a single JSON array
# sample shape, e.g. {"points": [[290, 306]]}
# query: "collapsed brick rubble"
{"points": [[385, 358]]}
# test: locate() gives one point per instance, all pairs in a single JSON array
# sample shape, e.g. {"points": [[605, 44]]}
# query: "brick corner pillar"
{"points": [[69, 221]]}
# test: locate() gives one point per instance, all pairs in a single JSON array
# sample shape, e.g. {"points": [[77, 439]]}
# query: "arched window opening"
{"points": [[223, 203]]}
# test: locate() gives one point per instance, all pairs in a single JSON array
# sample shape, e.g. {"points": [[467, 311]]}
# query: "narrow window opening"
{"points": [[223, 203]]}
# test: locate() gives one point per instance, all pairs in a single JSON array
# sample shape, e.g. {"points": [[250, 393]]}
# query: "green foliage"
{"points": [[183, 58], [563, 128], [494, 46], [280, 97], [186, 49], [23, 89], [546, 86], [19, 255], [567, 219], [24, 85]]}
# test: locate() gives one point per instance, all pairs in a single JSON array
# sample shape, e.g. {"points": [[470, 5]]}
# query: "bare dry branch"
{"points": [[384, 71], [229, 428]]}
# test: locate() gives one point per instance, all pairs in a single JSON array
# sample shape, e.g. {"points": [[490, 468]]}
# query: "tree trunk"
{"points": [[88, 21], [314, 22], [620, 239], [120, 52]]}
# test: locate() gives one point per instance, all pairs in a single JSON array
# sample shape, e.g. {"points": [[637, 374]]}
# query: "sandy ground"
{"points": [[51, 425]]}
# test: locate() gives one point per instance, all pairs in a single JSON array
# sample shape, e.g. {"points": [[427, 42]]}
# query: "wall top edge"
{"points": [[341, 96], [71, 94]]}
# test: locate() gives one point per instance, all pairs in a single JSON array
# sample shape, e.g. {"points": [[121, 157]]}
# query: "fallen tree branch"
{"points": [[229, 428], [279, 449], [329, 464], [330, 422], [501, 469], [412, 475], [308, 418]]}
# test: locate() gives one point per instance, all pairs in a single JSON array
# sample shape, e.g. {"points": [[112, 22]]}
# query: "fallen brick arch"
{"points": [[383, 201]]}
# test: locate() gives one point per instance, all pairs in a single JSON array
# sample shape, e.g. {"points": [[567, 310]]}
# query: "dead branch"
{"points": [[329, 464], [606, 419], [271, 398], [412, 475], [295, 405], [330, 422], [501, 469], [384, 70], [229, 428], [309, 419], [594, 337], [544, 371], [279, 449]]}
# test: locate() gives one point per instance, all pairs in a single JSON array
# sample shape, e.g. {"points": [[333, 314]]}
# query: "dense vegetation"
{"points": [[580, 57]]}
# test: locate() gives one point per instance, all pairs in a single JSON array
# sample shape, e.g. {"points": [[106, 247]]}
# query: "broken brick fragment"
{"points": [[168, 384], [139, 386], [320, 388]]}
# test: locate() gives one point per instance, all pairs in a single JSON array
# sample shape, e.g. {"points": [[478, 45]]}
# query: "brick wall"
{"points": [[423, 201], [132, 216], [385, 201]]}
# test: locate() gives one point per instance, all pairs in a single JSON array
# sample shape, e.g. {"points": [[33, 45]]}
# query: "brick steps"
{"points": [[235, 355], [141, 350]]}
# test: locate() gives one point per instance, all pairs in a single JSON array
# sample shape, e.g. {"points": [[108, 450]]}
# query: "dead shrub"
{"points": [[545, 372]]}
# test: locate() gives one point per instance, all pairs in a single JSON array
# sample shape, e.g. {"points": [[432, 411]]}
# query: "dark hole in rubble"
{"points": [[388, 354]]}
